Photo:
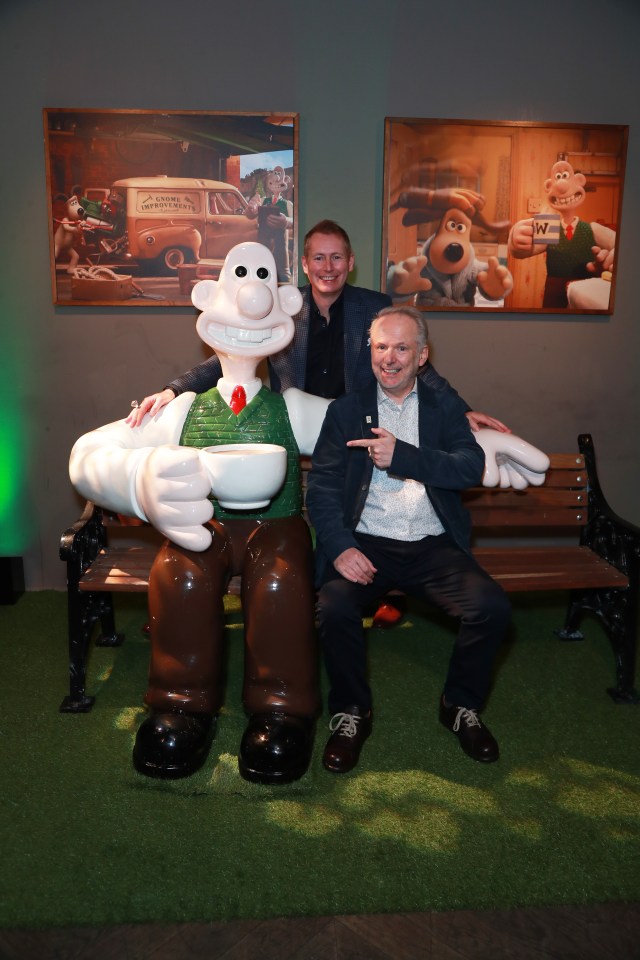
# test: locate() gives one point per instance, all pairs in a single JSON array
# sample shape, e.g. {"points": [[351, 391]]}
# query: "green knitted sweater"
{"points": [[569, 258], [265, 419]]}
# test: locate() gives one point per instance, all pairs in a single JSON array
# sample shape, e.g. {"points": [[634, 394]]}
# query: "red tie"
{"points": [[238, 400], [569, 232]]}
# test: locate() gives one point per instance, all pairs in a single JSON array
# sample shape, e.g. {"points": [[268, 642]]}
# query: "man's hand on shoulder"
{"points": [[477, 419], [150, 405]]}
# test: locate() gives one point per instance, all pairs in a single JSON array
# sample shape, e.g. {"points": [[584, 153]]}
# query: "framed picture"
{"points": [[142, 204], [508, 216]]}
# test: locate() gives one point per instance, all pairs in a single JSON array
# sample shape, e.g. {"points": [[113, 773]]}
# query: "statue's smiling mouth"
{"points": [[241, 336], [565, 201]]}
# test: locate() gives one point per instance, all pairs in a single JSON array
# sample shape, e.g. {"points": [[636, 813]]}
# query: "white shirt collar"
{"points": [[226, 388]]}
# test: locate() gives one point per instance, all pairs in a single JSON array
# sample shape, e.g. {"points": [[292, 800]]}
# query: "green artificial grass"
{"points": [[417, 826]]}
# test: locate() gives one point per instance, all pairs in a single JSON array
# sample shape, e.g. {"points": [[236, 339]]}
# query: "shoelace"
{"points": [[470, 717], [345, 724]]}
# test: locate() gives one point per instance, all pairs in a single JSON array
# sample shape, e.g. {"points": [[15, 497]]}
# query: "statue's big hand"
{"points": [[510, 461], [172, 487]]}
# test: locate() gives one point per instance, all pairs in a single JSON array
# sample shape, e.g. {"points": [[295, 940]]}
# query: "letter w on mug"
{"points": [[546, 228]]}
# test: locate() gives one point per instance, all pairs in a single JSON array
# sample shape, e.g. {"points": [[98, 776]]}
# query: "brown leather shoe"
{"points": [[475, 739], [349, 730]]}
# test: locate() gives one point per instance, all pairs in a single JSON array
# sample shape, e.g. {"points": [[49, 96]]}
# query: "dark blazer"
{"points": [[288, 368], [447, 460], [359, 307]]}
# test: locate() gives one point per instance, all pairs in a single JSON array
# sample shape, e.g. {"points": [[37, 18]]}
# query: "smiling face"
{"points": [[327, 263], [565, 189], [274, 184], [396, 355], [450, 250]]}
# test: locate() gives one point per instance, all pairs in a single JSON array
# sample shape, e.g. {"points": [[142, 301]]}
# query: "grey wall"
{"points": [[343, 65]]}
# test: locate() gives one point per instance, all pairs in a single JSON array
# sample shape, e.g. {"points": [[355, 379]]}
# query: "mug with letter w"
{"points": [[546, 228]]}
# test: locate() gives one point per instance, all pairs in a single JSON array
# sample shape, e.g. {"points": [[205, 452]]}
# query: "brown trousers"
{"points": [[186, 592]]}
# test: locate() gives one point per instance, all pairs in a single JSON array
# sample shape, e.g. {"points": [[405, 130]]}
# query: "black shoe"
{"points": [[475, 739], [349, 730], [275, 748], [173, 745]]}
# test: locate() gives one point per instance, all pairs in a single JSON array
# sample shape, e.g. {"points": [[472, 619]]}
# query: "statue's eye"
{"points": [[262, 273], [241, 271]]}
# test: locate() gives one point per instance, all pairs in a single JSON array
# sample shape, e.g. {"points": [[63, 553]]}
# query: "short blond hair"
{"points": [[328, 228]]}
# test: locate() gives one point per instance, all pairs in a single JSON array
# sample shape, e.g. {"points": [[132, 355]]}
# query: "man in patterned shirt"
{"points": [[383, 497]]}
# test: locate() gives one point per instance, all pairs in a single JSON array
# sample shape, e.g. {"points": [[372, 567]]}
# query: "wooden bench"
{"points": [[600, 568]]}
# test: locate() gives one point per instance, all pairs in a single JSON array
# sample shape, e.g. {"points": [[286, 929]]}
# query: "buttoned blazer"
{"points": [[447, 459]]}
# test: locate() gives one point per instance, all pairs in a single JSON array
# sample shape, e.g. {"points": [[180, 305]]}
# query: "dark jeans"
{"points": [[434, 569]]}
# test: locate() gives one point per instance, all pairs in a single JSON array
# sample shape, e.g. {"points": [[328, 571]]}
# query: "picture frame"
{"points": [[143, 203], [462, 199]]}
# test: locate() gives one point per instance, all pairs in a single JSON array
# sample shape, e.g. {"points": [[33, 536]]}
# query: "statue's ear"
{"points": [[290, 299], [203, 293]]}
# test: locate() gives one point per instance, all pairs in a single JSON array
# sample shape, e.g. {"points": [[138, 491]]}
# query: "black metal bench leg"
{"points": [[572, 620], [622, 628], [81, 622], [109, 637]]}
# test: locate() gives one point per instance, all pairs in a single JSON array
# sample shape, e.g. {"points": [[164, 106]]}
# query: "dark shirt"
{"points": [[325, 353]]}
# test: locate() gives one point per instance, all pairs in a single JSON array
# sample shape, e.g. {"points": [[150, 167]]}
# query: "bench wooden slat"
{"points": [[567, 461], [569, 479], [538, 568], [126, 570], [530, 498], [497, 517], [562, 501]]}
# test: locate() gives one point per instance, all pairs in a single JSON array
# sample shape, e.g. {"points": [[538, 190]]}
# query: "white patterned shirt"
{"points": [[396, 508]]}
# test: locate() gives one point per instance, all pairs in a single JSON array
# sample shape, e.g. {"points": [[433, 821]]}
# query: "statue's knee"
{"points": [[177, 569]]}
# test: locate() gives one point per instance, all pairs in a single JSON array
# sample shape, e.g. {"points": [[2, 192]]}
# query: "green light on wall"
{"points": [[13, 535]]}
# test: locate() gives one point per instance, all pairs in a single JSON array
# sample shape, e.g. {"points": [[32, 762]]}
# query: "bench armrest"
{"points": [[606, 533], [82, 541]]}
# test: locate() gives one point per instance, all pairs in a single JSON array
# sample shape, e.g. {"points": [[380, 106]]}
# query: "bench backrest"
{"points": [[561, 502]]}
